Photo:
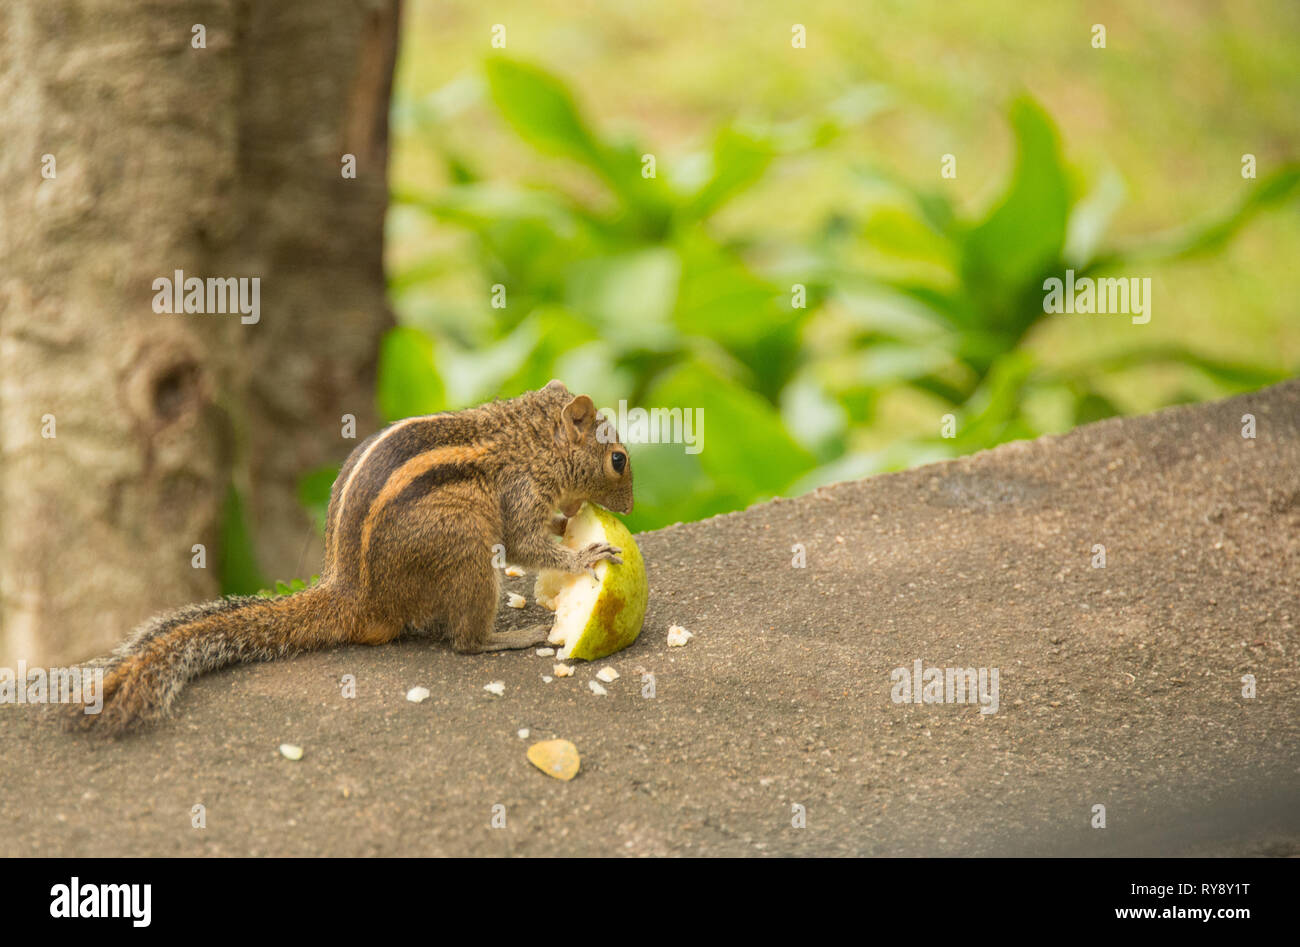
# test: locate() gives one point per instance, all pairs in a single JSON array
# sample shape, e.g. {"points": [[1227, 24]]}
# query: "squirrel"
{"points": [[412, 520]]}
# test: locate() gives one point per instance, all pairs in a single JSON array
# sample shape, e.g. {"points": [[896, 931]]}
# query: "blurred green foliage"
{"points": [[288, 588], [614, 282], [957, 332]]}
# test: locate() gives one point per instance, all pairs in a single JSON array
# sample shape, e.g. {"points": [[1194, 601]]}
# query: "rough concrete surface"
{"points": [[1118, 686]]}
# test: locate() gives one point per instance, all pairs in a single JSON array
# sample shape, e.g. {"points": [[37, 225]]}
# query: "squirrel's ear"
{"points": [[578, 418], [555, 385]]}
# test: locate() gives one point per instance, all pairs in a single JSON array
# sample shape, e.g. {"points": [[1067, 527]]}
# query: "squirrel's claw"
{"points": [[600, 551]]}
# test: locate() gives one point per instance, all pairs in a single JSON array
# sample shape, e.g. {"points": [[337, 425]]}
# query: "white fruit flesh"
{"points": [[572, 597]]}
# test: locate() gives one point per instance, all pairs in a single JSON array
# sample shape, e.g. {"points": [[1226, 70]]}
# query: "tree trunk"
{"points": [[130, 152]]}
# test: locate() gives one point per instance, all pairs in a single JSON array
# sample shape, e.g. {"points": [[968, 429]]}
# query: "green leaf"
{"points": [[288, 588], [933, 206], [1280, 186], [539, 106], [895, 232], [739, 159], [993, 414], [1090, 218], [238, 569], [1234, 376], [666, 476], [541, 109], [722, 300], [1093, 406], [314, 492], [813, 417], [770, 350], [1025, 233], [482, 205], [408, 378], [630, 295], [418, 274], [528, 358], [886, 364], [913, 312], [744, 448], [672, 487]]}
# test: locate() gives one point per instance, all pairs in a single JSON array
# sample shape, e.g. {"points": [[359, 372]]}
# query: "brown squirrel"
{"points": [[413, 518]]}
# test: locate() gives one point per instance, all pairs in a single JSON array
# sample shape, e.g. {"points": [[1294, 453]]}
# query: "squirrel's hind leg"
{"points": [[474, 616], [517, 638], [471, 605]]}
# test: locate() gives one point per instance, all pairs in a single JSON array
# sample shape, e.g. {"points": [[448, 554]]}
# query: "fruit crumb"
{"points": [[678, 636]]}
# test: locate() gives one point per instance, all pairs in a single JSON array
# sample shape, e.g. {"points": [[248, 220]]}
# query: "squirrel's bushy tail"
{"points": [[146, 672]]}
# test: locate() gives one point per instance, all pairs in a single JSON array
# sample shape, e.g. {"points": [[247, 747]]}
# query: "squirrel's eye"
{"points": [[618, 460]]}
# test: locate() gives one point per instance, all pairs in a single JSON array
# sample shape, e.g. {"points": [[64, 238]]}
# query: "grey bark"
{"points": [[222, 161]]}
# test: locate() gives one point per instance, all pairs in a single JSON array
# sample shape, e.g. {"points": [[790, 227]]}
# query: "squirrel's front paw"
{"points": [[597, 552]]}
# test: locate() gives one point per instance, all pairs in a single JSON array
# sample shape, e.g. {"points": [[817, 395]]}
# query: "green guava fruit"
{"points": [[595, 616]]}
